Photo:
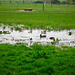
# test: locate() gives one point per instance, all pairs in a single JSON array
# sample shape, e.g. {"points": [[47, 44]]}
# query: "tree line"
{"points": [[39, 1], [58, 1]]}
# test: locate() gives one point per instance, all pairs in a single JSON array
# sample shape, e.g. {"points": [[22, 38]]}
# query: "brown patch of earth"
{"points": [[25, 11]]}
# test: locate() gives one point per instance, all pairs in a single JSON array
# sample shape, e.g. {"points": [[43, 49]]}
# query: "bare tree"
{"points": [[23, 1], [51, 3], [10, 1], [43, 4]]}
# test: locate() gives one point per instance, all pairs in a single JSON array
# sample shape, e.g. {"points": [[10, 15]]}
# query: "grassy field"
{"points": [[36, 60], [57, 17]]}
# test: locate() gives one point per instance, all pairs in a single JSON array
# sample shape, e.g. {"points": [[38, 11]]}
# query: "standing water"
{"points": [[64, 37]]}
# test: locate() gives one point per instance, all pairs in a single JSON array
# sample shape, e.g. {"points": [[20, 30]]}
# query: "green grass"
{"points": [[37, 59], [61, 16]]}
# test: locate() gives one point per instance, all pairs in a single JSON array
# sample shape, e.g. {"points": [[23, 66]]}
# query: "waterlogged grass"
{"points": [[36, 60], [57, 17]]}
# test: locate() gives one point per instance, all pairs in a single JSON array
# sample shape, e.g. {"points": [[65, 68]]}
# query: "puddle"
{"points": [[33, 36]]}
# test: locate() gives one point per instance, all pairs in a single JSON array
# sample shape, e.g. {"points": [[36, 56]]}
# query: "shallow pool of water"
{"points": [[33, 36]]}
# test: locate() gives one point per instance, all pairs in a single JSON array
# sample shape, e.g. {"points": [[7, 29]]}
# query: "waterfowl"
{"points": [[42, 35], [69, 33], [51, 38]]}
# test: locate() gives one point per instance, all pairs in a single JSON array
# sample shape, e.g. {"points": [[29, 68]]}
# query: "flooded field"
{"points": [[12, 36]]}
